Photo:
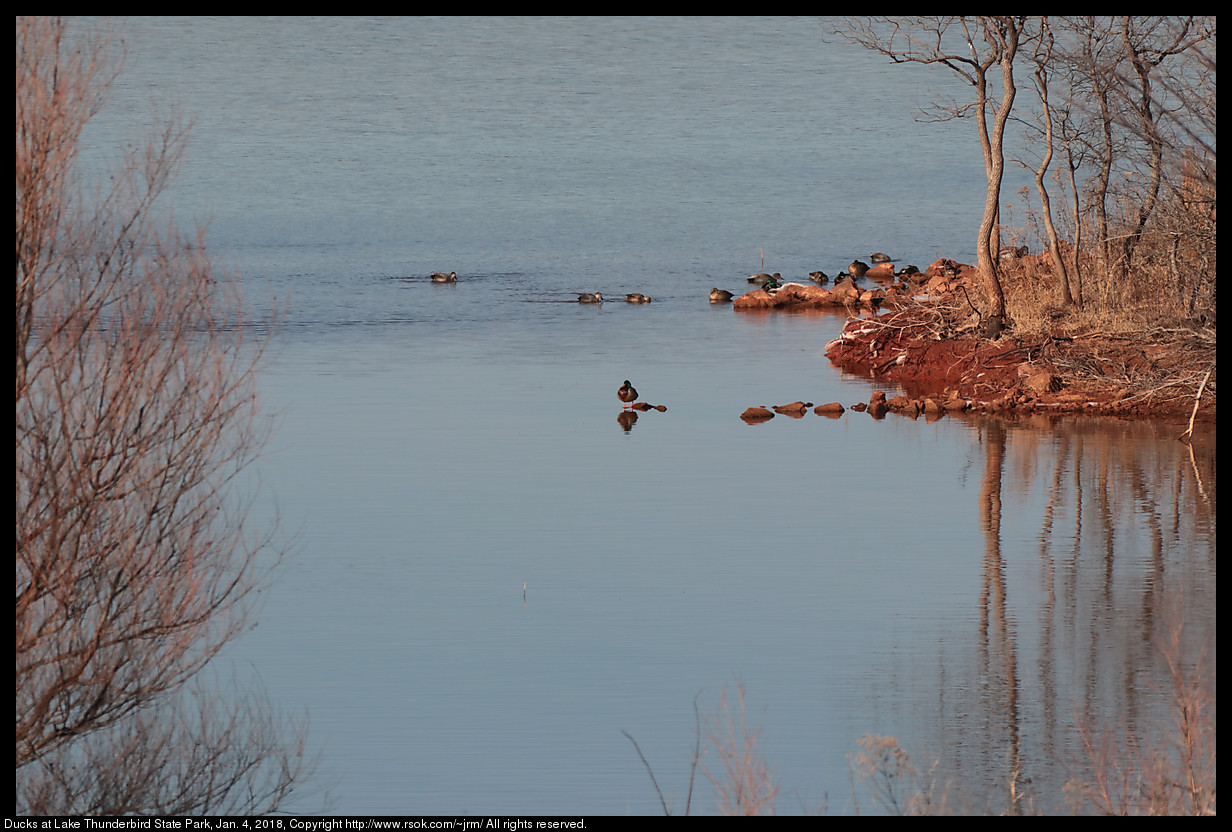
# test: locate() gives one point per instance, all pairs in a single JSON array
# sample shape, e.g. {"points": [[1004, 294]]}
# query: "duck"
{"points": [[720, 296], [441, 277], [878, 257], [772, 285], [857, 268], [762, 277], [627, 393], [586, 297], [636, 298], [820, 278]]}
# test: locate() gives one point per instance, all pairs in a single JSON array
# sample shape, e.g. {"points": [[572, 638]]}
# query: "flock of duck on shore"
{"points": [[770, 283]]}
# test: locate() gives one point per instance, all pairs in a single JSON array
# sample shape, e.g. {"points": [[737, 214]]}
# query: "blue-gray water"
{"points": [[438, 447]]}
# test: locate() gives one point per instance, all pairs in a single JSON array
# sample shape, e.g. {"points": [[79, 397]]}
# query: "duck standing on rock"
{"points": [[587, 297], [441, 277], [857, 269], [627, 393]]}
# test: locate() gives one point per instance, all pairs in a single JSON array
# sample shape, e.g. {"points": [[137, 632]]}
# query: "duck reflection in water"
{"points": [[627, 419]]}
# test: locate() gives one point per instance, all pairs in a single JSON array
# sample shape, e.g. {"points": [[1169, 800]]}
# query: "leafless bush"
{"points": [[1168, 771], [136, 414], [898, 786], [746, 785]]}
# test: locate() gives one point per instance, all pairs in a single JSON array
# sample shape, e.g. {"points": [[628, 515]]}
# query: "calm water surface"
{"points": [[967, 586]]}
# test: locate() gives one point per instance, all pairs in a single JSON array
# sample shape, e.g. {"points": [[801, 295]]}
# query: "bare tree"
{"points": [[136, 415], [1139, 100], [1148, 42], [1043, 61], [972, 47]]}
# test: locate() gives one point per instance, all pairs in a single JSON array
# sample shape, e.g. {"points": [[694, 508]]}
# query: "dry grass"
{"points": [[745, 784], [1171, 281], [1169, 771], [1034, 303]]}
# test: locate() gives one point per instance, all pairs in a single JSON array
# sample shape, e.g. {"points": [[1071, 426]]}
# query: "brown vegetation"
{"points": [[136, 414], [1122, 301]]}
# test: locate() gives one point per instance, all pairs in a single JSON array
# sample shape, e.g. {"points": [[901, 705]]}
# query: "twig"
{"points": [[650, 771], [1189, 431], [697, 752]]}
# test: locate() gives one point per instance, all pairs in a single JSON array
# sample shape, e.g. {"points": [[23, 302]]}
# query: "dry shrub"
{"points": [[746, 785], [1167, 771], [897, 785], [136, 417]]}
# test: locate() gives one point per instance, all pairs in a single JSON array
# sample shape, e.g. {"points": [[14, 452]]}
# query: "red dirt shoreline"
{"points": [[941, 367]]}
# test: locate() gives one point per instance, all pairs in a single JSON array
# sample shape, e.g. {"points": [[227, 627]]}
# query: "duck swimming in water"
{"points": [[720, 296], [857, 269], [627, 393], [636, 298], [762, 278], [586, 297], [878, 257], [441, 277]]}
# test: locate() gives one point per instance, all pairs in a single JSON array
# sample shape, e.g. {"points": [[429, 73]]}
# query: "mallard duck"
{"points": [[878, 257], [441, 277], [772, 285], [857, 269], [820, 278], [761, 278], [586, 297], [626, 393], [720, 296], [636, 298]]}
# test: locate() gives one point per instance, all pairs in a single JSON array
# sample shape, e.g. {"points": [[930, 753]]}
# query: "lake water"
{"points": [[490, 573]]}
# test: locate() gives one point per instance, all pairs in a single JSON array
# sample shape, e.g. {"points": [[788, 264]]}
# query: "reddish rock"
{"points": [[1038, 381], [831, 409], [902, 404], [756, 414], [794, 410], [882, 271], [799, 295]]}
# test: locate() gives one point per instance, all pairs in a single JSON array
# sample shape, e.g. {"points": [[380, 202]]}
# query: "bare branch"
{"points": [[136, 412]]}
